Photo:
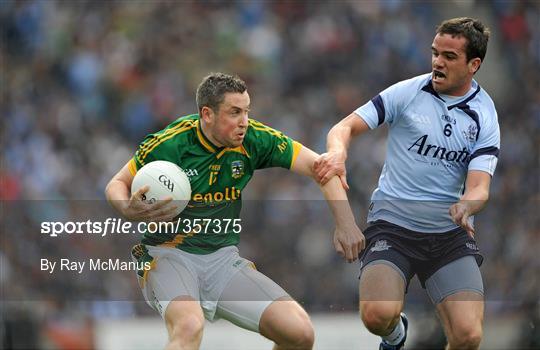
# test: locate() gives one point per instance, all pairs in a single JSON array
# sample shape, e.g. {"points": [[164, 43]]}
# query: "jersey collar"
{"points": [[203, 140], [460, 104], [429, 88], [210, 147]]}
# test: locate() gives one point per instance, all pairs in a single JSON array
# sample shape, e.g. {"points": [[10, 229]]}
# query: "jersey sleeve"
{"points": [[162, 145], [387, 106], [486, 149], [145, 153], [271, 148]]}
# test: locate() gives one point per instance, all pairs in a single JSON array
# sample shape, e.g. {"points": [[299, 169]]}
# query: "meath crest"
{"points": [[237, 169]]}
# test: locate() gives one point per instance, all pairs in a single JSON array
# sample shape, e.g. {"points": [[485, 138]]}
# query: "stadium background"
{"points": [[82, 82]]}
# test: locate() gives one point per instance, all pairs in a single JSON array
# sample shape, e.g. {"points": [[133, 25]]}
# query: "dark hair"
{"points": [[211, 92], [476, 33]]}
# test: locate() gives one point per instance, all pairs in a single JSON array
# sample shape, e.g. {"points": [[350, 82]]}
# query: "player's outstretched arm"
{"points": [[348, 239], [131, 205], [473, 200], [332, 162]]}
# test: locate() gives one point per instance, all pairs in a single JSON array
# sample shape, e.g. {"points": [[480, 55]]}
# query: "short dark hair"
{"points": [[476, 33], [211, 91]]}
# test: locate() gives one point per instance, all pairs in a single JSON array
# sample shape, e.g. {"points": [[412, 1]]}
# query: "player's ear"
{"points": [[474, 65], [207, 114]]}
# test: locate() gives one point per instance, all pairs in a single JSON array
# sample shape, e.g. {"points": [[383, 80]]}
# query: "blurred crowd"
{"points": [[83, 82]]}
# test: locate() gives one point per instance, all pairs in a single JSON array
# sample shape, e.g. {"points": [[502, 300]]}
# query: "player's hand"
{"points": [[349, 241], [138, 210], [329, 164], [460, 216]]}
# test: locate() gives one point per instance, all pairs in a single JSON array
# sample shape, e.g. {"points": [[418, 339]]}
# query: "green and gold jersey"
{"points": [[217, 176]]}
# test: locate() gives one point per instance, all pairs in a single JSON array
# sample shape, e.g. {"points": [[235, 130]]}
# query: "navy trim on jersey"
{"points": [[379, 106], [492, 151], [474, 116], [464, 102], [429, 88], [467, 109]]}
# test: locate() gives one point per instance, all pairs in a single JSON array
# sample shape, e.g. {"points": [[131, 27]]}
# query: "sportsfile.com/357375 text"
{"points": [[121, 226]]}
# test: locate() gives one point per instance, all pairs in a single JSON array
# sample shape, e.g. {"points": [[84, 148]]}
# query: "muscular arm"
{"points": [[348, 239], [303, 164], [473, 200], [333, 162], [340, 135], [118, 189]]}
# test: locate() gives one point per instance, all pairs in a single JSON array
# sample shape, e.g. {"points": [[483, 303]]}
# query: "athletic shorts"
{"points": [[225, 284], [417, 253]]}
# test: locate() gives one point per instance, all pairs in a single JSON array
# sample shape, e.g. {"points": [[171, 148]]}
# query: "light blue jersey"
{"points": [[433, 141]]}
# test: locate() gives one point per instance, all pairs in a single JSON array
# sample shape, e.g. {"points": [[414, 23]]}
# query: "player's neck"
{"points": [[462, 91], [208, 135]]}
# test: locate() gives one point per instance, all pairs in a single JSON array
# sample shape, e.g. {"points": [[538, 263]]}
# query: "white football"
{"points": [[165, 179]]}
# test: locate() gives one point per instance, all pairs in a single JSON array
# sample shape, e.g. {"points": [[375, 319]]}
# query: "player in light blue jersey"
{"points": [[442, 150]]}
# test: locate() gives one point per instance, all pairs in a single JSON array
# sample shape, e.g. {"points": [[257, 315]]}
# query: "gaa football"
{"points": [[165, 179]]}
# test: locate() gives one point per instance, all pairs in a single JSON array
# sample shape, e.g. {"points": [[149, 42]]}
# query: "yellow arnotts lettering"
{"points": [[229, 194]]}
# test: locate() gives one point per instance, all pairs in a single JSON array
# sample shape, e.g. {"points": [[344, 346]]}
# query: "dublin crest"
{"points": [[471, 133]]}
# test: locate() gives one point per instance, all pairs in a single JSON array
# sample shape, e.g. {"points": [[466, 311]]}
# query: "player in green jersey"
{"points": [[218, 174], [197, 275]]}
